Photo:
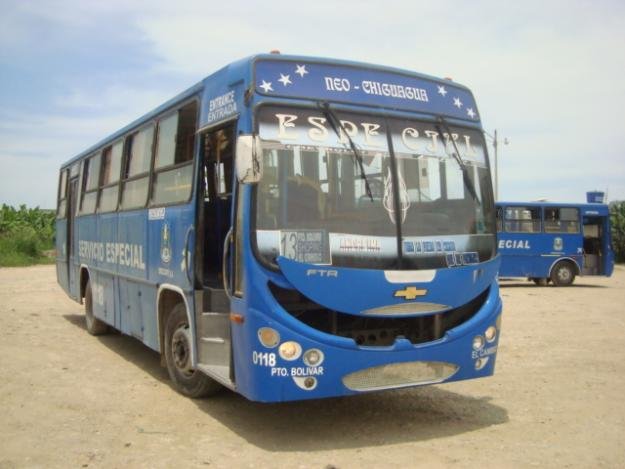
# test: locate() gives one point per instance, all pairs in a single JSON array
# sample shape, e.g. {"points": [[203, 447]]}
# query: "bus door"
{"points": [[594, 246], [72, 196], [214, 228]]}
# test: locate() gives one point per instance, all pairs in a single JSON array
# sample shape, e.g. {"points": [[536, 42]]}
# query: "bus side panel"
{"points": [[107, 268], [170, 235], [518, 255], [103, 291], [131, 313], [129, 253], [171, 238], [61, 255], [533, 254], [86, 235]]}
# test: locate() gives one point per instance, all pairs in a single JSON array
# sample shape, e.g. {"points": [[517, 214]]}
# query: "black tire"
{"points": [[541, 282], [94, 325], [186, 380], [562, 274]]}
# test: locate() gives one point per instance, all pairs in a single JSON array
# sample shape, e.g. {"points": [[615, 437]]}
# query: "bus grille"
{"points": [[375, 331], [398, 375]]}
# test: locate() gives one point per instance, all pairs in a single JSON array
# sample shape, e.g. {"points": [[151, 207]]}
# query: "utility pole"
{"points": [[495, 140], [496, 145]]}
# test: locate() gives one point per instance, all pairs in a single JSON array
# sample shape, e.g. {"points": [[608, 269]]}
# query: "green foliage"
{"points": [[617, 220], [25, 234]]}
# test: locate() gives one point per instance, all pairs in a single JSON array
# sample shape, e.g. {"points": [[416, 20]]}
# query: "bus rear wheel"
{"points": [[178, 346], [94, 325], [563, 274]]}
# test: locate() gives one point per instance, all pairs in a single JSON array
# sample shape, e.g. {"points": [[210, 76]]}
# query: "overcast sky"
{"points": [[548, 75]]}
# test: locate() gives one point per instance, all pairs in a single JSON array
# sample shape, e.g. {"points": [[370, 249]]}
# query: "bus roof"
{"points": [[243, 71], [587, 209]]}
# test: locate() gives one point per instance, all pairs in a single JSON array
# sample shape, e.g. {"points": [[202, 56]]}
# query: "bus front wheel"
{"points": [[94, 325], [178, 343], [563, 274]]}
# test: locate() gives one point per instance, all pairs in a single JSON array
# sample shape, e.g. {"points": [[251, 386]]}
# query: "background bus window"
{"points": [[561, 220], [499, 219], [62, 200], [522, 219], [89, 184], [136, 180], [173, 165], [111, 167]]}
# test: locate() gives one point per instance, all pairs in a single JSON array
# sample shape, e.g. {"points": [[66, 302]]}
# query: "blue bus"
{"points": [[552, 242], [292, 228]]}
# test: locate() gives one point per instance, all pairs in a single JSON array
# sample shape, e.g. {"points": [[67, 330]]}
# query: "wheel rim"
{"points": [[181, 350], [564, 274]]}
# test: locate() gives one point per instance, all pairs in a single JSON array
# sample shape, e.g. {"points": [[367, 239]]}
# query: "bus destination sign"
{"points": [[369, 87]]}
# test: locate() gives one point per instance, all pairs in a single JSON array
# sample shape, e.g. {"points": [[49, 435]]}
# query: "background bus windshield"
{"points": [[312, 204]]}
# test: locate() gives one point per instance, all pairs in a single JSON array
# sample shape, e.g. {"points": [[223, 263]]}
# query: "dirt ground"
{"points": [[557, 398]]}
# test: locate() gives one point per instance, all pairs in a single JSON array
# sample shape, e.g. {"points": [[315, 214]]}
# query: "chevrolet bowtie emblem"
{"points": [[410, 293]]}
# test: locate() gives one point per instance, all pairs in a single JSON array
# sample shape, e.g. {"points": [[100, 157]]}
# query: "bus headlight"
{"points": [[313, 357], [268, 337], [290, 350], [490, 334], [478, 342]]}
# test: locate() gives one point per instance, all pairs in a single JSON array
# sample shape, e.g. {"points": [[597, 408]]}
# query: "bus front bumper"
{"points": [[301, 365]]}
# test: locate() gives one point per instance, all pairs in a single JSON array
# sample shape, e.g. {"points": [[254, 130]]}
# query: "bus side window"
{"points": [[173, 164], [499, 219], [89, 184], [561, 220], [61, 209], [136, 171], [522, 220], [109, 177]]}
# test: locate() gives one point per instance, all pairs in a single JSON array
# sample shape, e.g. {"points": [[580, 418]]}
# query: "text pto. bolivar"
{"points": [[377, 88]]}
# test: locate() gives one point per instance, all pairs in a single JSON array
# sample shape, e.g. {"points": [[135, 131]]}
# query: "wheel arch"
{"points": [[569, 260], [167, 297], [85, 275]]}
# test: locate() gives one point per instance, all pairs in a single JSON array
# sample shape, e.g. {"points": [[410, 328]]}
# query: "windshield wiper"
{"points": [[336, 124], [465, 173]]}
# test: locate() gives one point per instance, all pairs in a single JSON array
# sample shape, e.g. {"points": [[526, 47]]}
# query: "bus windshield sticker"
{"points": [[308, 246], [156, 213]]}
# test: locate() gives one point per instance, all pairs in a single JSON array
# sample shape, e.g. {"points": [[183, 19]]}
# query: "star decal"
{"points": [[301, 70], [285, 79], [471, 113], [457, 103], [441, 90], [266, 86]]}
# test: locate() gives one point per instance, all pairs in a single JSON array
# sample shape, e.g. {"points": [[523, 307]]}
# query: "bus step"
{"points": [[214, 341], [215, 299], [221, 374], [214, 325]]}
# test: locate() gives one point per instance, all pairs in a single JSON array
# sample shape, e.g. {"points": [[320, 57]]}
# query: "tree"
{"points": [[617, 219]]}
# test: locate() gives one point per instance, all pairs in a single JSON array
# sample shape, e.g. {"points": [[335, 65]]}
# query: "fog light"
{"points": [[478, 342], [313, 357], [290, 350], [481, 363], [268, 337], [307, 384], [490, 334]]}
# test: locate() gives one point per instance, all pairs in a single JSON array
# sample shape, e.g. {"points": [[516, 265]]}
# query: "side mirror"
{"points": [[249, 164]]}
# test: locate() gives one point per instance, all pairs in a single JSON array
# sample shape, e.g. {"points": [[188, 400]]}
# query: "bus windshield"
{"points": [[312, 206]]}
